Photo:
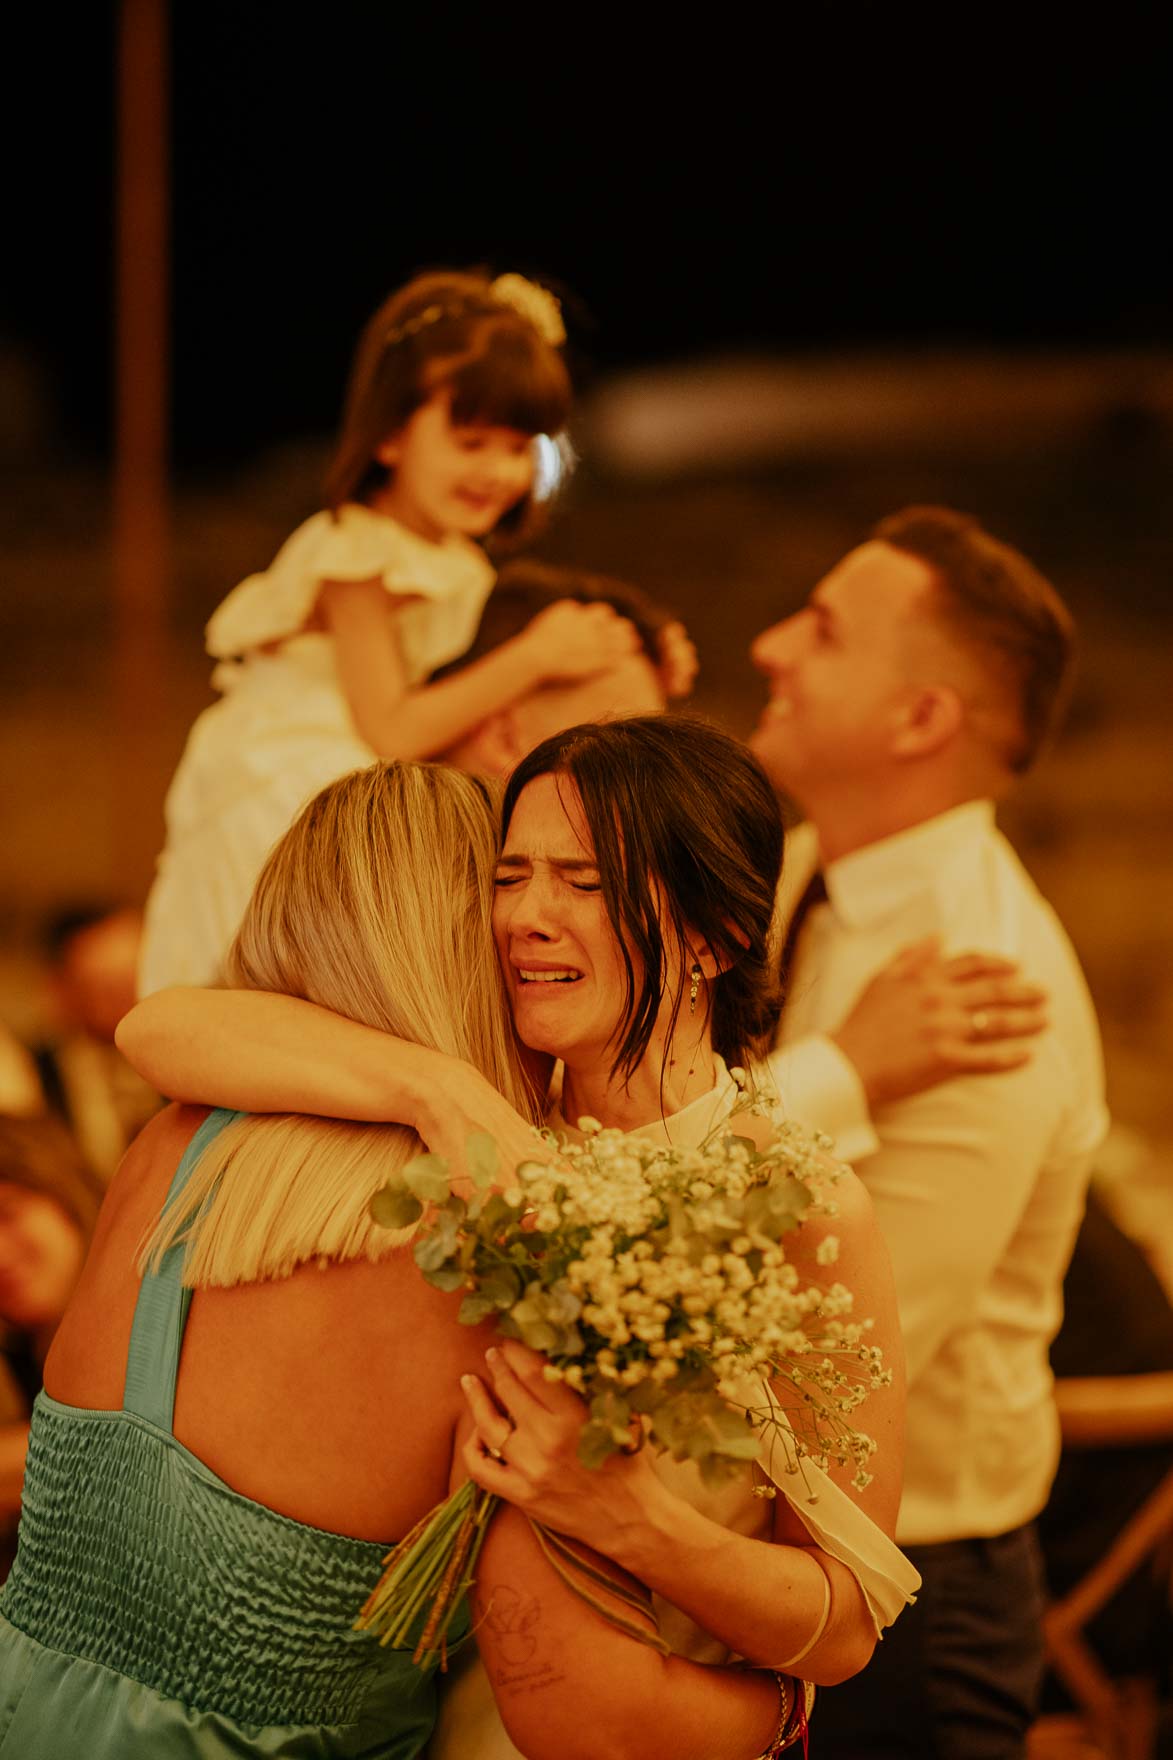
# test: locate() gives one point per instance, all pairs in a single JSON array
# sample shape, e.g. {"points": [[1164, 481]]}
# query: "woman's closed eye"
{"points": [[507, 877]]}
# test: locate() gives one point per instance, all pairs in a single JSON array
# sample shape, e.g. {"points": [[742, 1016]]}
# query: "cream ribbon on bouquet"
{"points": [[833, 1519]]}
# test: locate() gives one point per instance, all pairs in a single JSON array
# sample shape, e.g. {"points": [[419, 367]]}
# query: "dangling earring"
{"points": [[695, 975]]}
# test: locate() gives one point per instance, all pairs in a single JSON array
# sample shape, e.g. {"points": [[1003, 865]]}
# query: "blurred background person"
{"points": [[21, 1093], [91, 958], [48, 1205]]}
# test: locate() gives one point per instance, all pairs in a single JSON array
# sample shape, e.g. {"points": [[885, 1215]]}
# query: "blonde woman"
{"points": [[229, 1439]]}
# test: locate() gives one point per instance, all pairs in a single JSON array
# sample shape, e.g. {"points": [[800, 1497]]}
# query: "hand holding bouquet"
{"points": [[654, 1281]]}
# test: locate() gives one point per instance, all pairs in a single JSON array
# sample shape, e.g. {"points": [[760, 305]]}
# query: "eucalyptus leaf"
{"points": [[501, 1286], [612, 1409], [716, 1469], [446, 1277], [474, 1309], [483, 1158], [427, 1177], [394, 1207], [645, 1396], [787, 1202], [596, 1444], [440, 1243], [739, 1448], [496, 1213], [562, 1303], [672, 1425], [729, 1423]]}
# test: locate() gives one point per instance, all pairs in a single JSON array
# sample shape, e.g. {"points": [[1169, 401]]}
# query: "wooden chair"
{"points": [[1116, 1718]]}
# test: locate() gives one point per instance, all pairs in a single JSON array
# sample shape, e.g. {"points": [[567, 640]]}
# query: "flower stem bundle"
{"points": [[427, 1577]]}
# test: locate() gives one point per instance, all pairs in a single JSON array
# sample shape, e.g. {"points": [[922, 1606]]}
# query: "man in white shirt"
{"points": [[919, 681]]}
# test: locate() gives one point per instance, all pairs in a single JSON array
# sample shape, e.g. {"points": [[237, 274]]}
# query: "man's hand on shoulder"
{"points": [[923, 1019]]}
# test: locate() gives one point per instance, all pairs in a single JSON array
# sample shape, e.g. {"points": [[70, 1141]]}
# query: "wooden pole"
{"points": [[141, 550]]}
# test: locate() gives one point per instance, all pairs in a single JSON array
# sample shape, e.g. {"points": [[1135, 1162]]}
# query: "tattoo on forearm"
{"points": [[527, 1680], [513, 1619]]}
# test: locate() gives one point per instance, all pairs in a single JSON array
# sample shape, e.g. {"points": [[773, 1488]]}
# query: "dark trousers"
{"points": [[957, 1677]]}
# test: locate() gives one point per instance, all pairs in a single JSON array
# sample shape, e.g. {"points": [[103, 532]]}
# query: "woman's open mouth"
{"points": [[555, 975]]}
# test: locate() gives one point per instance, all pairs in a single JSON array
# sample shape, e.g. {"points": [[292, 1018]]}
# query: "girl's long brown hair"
{"points": [[496, 365]]}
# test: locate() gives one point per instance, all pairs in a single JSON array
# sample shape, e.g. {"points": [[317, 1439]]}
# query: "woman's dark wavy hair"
{"points": [[688, 838]]}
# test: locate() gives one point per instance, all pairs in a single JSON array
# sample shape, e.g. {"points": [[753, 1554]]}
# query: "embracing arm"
{"points": [[920, 1021], [400, 720], [261, 1052], [761, 1600]]}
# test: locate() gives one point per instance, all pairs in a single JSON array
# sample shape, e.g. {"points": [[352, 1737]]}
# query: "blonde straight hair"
{"points": [[376, 904]]}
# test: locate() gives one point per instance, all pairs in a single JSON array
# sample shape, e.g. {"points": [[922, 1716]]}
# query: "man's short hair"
{"points": [[526, 587], [996, 602]]}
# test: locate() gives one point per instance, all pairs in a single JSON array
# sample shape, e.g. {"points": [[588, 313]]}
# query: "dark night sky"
{"points": [[915, 178]]}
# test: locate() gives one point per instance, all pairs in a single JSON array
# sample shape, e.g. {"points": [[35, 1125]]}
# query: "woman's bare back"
{"points": [[332, 1396]]}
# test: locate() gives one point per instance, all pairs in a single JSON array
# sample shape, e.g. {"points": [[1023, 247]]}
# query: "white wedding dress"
{"points": [[469, 1726]]}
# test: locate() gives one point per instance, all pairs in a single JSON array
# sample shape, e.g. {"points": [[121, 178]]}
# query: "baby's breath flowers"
{"points": [[655, 1281]]}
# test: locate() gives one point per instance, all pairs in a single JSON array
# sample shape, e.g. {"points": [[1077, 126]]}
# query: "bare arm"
{"points": [[570, 1686], [14, 1442], [260, 1052], [399, 720]]}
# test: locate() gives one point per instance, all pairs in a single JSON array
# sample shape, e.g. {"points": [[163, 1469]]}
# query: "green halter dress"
{"points": [[153, 1611]]}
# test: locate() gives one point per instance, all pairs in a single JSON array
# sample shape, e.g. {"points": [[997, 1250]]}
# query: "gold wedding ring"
{"points": [[979, 1022]]}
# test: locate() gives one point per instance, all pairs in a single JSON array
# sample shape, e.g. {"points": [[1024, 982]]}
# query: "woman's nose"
{"points": [[530, 912]]}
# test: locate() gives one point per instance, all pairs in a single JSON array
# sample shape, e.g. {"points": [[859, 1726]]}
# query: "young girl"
{"points": [[323, 657]]}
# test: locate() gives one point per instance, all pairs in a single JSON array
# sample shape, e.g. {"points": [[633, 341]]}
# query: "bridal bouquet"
{"points": [[655, 1281]]}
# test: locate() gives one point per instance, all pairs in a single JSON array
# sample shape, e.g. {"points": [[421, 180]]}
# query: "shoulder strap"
{"points": [[160, 1314]]}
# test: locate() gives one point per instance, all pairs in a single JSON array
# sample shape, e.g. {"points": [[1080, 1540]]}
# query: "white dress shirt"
{"points": [[978, 1183]]}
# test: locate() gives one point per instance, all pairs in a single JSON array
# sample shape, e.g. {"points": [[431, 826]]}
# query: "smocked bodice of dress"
{"points": [[152, 1610]]}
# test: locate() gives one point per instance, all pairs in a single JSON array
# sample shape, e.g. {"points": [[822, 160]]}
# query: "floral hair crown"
{"points": [[535, 304]]}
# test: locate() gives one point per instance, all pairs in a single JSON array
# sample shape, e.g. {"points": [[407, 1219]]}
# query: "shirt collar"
{"points": [[882, 878]]}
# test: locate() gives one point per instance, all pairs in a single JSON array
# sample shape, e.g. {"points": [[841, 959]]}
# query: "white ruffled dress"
{"points": [[282, 728], [469, 1723]]}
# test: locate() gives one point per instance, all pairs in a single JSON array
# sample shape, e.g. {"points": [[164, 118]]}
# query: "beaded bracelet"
{"points": [[796, 1697]]}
